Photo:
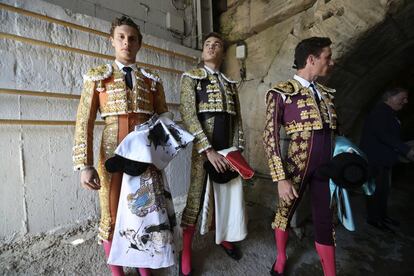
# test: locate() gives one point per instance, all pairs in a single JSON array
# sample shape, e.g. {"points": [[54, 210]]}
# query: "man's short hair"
{"points": [[392, 92], [310, 46], [216, 35], [125, 20]]}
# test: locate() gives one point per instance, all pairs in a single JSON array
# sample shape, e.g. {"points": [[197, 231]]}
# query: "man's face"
{"points": [[398, 101], [213, 50], [126, 44], [323, 64]]}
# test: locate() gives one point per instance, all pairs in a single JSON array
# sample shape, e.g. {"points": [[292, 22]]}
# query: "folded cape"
{"points": [[157, 142], [236, 161]]}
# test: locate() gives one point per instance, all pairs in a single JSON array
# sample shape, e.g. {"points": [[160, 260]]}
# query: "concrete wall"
{"points": [[150, 15], [38, 189]]}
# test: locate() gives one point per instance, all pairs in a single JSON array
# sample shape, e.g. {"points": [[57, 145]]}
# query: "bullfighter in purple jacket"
{"points": [[305, 109]]}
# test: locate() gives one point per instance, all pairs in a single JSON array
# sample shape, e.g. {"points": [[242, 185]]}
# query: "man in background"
{"points": [[381, 141]]}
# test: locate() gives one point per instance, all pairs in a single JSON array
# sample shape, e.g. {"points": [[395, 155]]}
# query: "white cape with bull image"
{"points": [[145, 219]]}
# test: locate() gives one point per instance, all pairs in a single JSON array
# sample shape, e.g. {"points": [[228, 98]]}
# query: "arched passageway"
{"points": [[382, 58]]}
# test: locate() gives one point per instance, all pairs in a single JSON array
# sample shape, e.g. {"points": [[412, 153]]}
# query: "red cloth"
{"points": [[238, 163]]}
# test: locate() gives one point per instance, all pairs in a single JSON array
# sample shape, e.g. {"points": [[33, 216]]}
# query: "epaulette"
{"points": [[197, 73], [150, 74], [326, 89], [227, 79], [99, 73], [288, 88]]}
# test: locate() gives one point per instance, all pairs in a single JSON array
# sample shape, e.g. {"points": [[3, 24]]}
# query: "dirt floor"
{"points": [[367, 251]]}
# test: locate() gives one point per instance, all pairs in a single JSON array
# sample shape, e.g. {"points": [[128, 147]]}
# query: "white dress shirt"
{"points": [[306, 83]]}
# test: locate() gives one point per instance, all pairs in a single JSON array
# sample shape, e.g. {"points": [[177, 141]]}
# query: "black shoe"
{"points": [[275, 273], [234, 253], [180, 269], [391, 221], [381, 226]]}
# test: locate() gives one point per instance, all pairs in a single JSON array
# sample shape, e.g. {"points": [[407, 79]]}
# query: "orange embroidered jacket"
{"points": [[104, 90]]}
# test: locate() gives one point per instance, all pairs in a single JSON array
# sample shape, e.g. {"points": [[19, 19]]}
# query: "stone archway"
{"points": [[372, 45], [382, 58]]}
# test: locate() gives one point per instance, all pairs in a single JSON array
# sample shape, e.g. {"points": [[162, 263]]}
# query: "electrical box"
{"points": [[174, 23], [241, 51]]}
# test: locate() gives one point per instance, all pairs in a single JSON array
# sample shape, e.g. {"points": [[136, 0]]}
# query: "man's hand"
{"points": [[286, 190], [89, 179], [217, 160]]}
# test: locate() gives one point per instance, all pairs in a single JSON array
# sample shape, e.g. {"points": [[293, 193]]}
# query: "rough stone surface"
{"points": [[149, 15], [369, 38], [248, 17]]}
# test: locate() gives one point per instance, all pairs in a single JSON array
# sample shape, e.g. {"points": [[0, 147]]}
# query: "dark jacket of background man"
{"points": [[381, 137], [381, 141]]}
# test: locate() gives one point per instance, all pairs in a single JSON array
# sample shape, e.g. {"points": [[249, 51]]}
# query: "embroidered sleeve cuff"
{"points": [[277, 176], [81, 167], [202, 144], [276, 169], [80, 158]]}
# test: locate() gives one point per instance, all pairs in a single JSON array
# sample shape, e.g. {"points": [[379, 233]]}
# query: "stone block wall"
{"points": [[39, 191], [150, 15]]}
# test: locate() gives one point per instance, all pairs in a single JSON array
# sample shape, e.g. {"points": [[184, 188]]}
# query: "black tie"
{"points": [[315, 94], [216, 75], [128, 76]]}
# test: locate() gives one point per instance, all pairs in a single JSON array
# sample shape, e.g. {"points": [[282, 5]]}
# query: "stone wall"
{"points": [[368, 37], [39, 191], [150, 15]]}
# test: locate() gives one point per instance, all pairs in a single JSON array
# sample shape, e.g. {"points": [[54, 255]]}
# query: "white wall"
{"points": [[38, 189], [150, 15]]}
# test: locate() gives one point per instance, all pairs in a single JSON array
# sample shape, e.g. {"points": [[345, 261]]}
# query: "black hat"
{"points": [[118, 163], [219, 177], [347, 170]]}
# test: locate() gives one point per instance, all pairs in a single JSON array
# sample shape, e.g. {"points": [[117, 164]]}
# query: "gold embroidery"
{"points": [[296, 179], [305, 135], [293, 147], [303, 146], [304, 115], [303, 156]]}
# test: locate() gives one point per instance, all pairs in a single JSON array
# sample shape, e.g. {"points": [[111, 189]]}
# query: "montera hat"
{"points": [[347, 170]]}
